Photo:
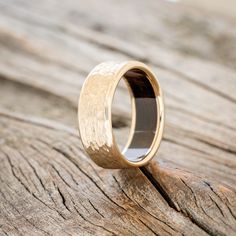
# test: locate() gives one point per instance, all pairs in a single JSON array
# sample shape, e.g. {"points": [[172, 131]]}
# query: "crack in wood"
{"points": [[168, 199], [159, 188], [91, 179], [79, 196]]}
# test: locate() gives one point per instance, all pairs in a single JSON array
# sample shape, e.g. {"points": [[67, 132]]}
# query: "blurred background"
{"points": [[227, 8]]}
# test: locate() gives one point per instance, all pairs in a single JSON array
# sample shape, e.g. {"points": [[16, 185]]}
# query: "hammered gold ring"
{"points": [[95, 116]]}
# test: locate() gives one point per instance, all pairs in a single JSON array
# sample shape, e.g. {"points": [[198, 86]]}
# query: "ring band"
{"points": [[95, 118]]}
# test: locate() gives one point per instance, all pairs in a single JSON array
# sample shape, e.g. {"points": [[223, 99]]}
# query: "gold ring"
{"points": [[95, 117]]}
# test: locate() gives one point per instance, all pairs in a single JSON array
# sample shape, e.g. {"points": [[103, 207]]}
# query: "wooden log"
{"points": [[47, 184]]}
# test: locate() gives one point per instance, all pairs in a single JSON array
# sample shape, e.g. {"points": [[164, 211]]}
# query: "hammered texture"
{"points": [[94, 113]]}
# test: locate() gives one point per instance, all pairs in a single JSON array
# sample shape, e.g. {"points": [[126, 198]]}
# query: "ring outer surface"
{"points": [[95, 116]]}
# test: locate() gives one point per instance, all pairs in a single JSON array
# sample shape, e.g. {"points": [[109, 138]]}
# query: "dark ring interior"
{"points": [[146, 115]]}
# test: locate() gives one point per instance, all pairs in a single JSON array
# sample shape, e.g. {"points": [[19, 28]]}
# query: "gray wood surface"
{"points": [[48, 186]]}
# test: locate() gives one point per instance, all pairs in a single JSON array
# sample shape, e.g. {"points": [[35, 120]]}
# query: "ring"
{"points": [[95, 117]]}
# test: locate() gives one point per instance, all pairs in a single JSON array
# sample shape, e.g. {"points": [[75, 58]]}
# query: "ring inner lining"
{"points": [[146, 115]]}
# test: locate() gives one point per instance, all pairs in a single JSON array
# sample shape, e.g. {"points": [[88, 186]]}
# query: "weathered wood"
{"points": [[209, 204], [49, 186]]}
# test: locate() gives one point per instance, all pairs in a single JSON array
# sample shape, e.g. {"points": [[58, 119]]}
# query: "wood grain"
{"points": [[48, 186]]}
